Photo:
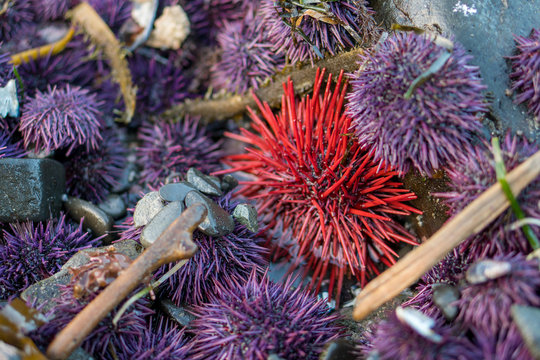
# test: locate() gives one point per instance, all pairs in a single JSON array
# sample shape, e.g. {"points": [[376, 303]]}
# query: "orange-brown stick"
{"points": [[471, 220], [174, 244]]}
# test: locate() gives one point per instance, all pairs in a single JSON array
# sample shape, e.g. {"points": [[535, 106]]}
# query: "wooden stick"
{"points": [[477, 215], [175, 243], [52, 49]]}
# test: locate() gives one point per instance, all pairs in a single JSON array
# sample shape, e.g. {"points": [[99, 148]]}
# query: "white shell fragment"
{"points": [[486, 270], [170, 29], [9, 103], [416, 320]]}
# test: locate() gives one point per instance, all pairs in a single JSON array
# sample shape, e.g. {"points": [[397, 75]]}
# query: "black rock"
{"points": [[527, 319], [209, 185], [217, 222], [30, 189], [339, 350], [95, 219], [485, 29], [228, 183], [444, 297], [177, 314]]}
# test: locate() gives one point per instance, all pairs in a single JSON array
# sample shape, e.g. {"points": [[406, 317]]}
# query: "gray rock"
{"points": [[175, 191], [444, 296], [147, 208], [95, 219], [8, 352], [44, 291], [527, 319], [114, 206], [485, 270], [209, 185], [79, 354], [274, 357], [160, 222], [178, 314], [30, 189], [228, 183], [246, 215], [486, 31], [217, 222], [127, 178], [339, 350]]}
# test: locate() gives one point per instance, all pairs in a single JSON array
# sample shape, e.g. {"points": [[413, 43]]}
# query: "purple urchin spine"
{"points": [[207, 16], [30, 253], [113, 12], [61, 118], [91, 174], [257, 318], [432, 128], [526, 71], [50, 9], [14, 15], [356, 26], [168, 148], [8, 148], [247, 57], [474, 174]]}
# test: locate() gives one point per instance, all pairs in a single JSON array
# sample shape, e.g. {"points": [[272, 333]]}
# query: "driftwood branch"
{"points": [[175, 243], [471, 220], [227, 107]]}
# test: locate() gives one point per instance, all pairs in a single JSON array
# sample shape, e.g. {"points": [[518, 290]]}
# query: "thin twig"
{"points": [[490, 204], [52, 49], [175, 243]]}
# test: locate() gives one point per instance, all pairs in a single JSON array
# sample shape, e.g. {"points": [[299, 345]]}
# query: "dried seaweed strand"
{"points": [[102, 36], [52, 48]]}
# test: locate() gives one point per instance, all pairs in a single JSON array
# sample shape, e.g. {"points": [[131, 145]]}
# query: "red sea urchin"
{"points": [[168, 148], [434, 126], [61, 118], [317, 184], [260, 318], [526, 71], [319, 27], [471, 176]]}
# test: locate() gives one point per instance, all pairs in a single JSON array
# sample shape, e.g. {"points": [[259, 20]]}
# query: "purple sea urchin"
{"points": [[486, 306], [395, 340], [228, 259], [432, 128], [6, 69], [207, 16], [61, 118], [113, 12], [476, 173], [246, 57], [296, 30], [173, 148], [14, 15], [9, 149], [259, 318], [91, 174], [162, 341], [50, 9], [106, 337], [30, 253], [526, 71]]}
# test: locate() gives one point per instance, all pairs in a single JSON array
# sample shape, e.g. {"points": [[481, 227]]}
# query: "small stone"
{"points": [[175, 191], [45, 291], [208, 185], [147, 208], [95, 219], [8, 352], [217, 222], [177, 314], [246, 215], [485, 270], [31, 189], [416, 320], [160, 222], [79, 354], [444, 296], [228, 183], [527, 320], [114, 206], [127, 178], [274, 357], [339, 350]]}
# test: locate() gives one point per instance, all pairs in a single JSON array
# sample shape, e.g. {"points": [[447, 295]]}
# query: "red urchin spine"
{"points": [[316, 180]]}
